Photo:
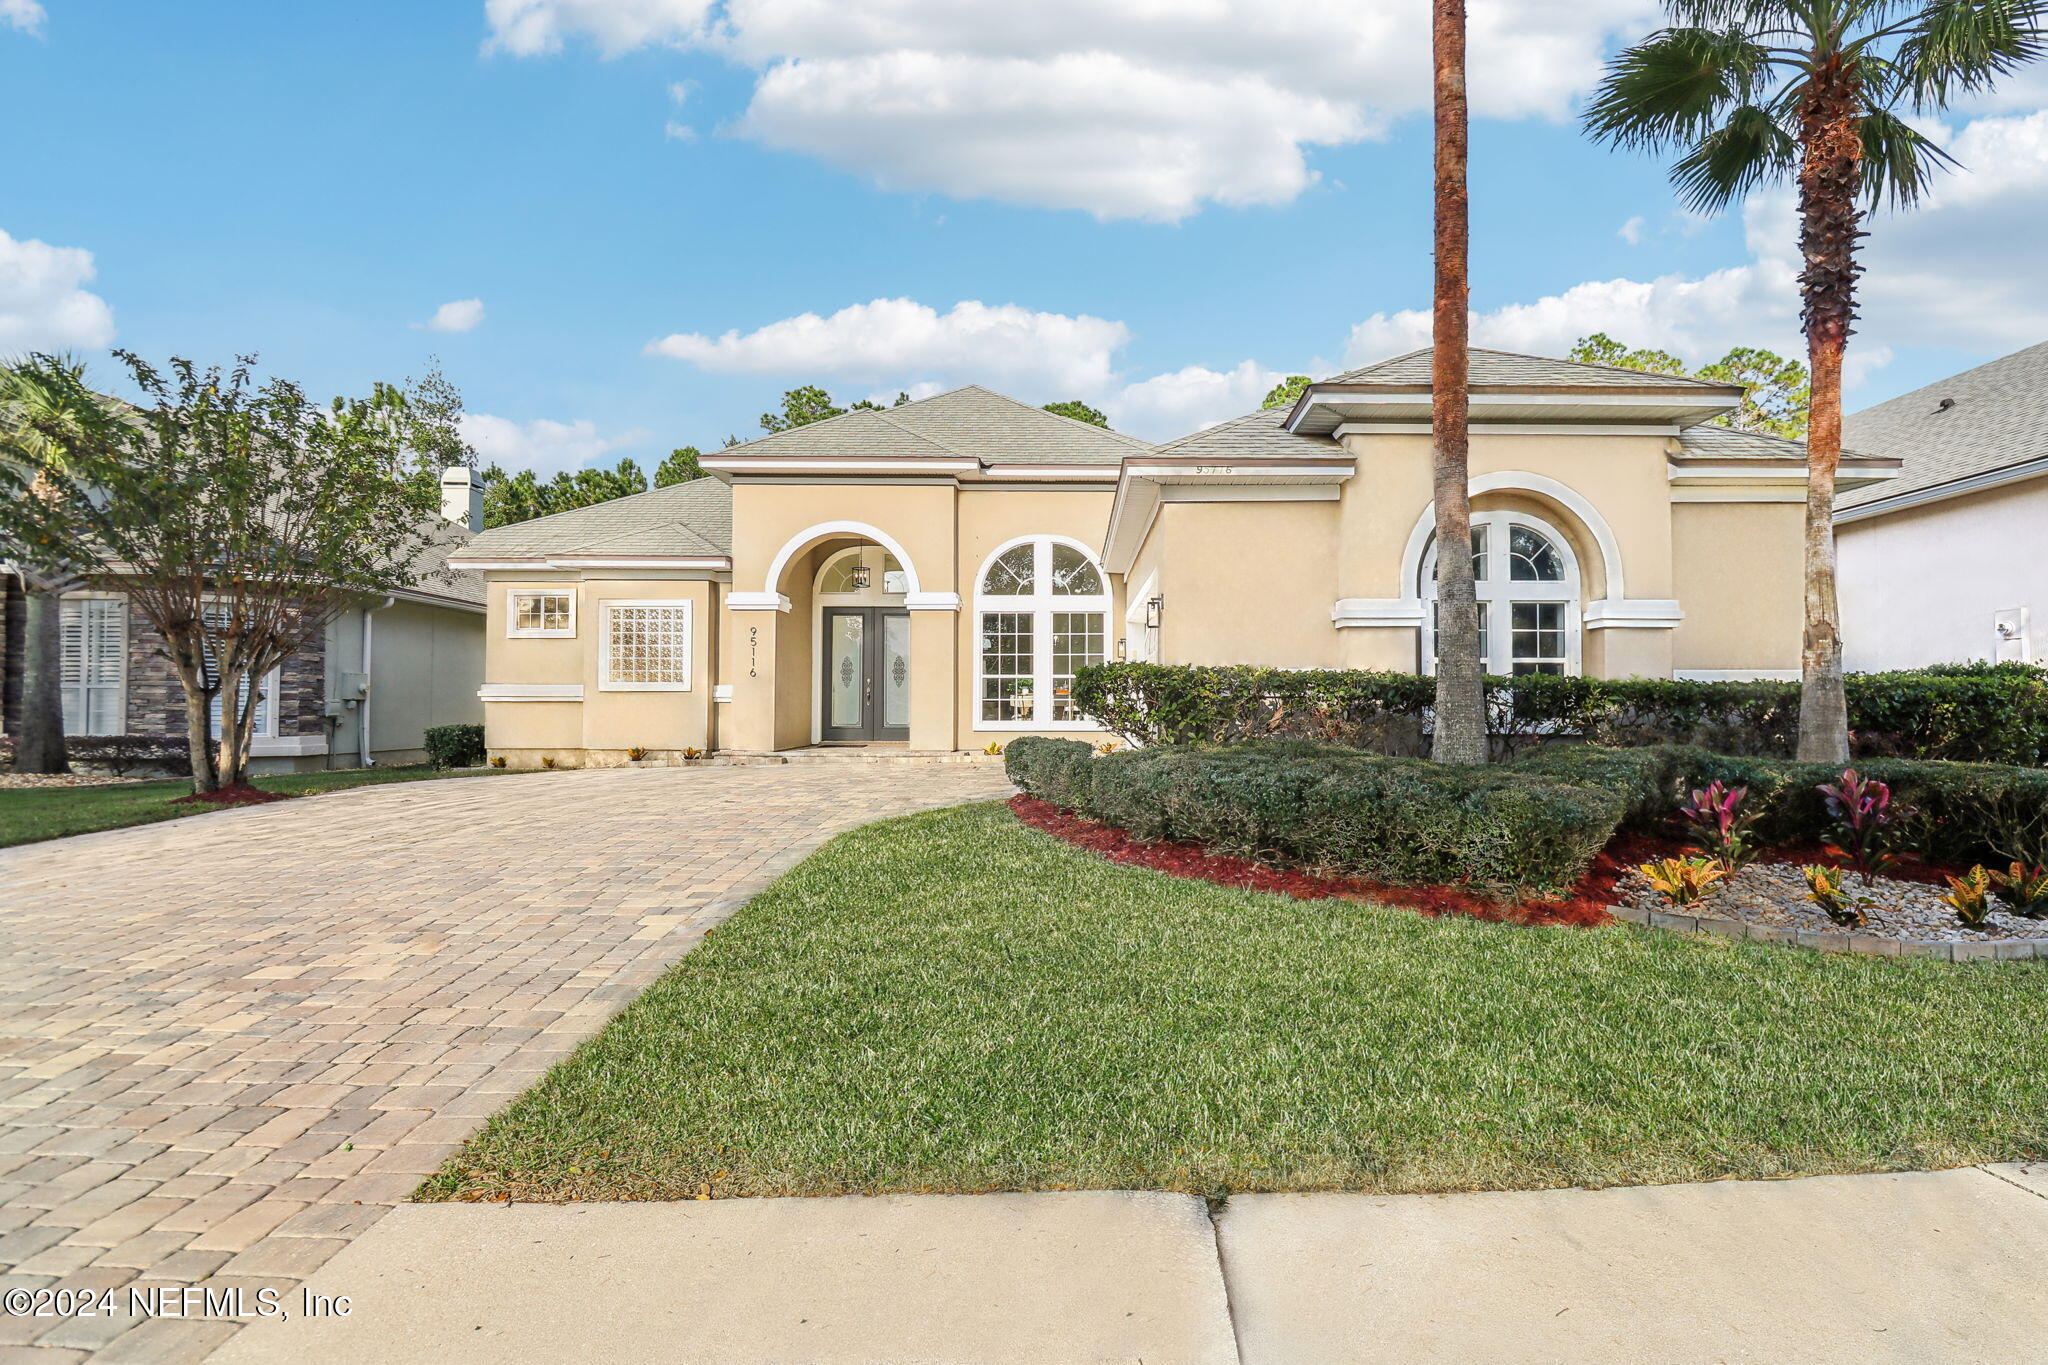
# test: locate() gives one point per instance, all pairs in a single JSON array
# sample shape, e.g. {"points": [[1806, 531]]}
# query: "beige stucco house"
{"points": [[930, 576]]}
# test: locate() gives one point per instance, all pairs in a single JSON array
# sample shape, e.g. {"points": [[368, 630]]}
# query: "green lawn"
{"points": [[29, 814], [951, 1001]]}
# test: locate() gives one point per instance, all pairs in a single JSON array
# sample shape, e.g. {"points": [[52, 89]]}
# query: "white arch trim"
{"points": [[771, 598], [1519, 481]]}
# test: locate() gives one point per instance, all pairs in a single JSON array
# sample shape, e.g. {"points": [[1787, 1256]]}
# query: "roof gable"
{"points": [[1998, 417], [693, 518], [1510, 368], [970, 423]]}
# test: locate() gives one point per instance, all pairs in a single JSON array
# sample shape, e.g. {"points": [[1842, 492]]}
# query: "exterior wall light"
{"points": [[1155, 607]]}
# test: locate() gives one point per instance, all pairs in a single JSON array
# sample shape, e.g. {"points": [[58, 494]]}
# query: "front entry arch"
{"points": [[862, 634]]}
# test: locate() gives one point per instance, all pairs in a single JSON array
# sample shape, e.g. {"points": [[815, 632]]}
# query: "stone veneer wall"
{"points": [[156, 699], [13, 644]]}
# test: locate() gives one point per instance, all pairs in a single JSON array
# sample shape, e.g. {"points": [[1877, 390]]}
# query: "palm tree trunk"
{"points": [[1829, 181], [40, 747], [1460, 684]]}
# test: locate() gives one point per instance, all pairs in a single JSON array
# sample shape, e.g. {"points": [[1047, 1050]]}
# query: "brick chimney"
{"points": [[462, 497]]}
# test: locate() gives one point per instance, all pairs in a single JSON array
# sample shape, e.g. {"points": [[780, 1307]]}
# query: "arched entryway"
{"points": [[862, 634]]}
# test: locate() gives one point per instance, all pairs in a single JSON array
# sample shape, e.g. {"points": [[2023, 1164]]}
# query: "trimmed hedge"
{"points": [[1530, 825], [1393, 820], [455, 746], [1986, 713], [118, 754]]}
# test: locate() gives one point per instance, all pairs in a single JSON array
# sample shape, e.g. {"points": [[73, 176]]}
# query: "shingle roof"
{"points": [[1999, 418], [693, 518], [1258, 435], [1708, 441], [1508, 367], [968, 423], [434, 578]]}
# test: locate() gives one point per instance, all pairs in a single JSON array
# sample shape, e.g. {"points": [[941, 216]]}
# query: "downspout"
{"points": [[369, 685]]}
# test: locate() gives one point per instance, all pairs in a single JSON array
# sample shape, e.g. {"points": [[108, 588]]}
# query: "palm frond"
{"points": [[1749, 148], [1965, 46], [1899, 162], [1675, 86]]}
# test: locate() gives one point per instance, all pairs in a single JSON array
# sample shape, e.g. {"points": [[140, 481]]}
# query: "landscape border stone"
{"points": [[2010, 950]]}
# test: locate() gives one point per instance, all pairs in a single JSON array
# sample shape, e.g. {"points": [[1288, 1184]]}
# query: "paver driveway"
{"points": [[229, 1044]]}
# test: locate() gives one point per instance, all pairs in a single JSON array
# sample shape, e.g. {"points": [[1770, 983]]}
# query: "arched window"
{"points": [[1042, 605], [867, 572], [1527, 582]]}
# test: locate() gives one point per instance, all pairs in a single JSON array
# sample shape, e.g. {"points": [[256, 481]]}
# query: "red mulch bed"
{"points": [[241, 794], [1584, 906]]}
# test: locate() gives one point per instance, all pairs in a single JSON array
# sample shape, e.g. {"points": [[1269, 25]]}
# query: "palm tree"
{"points": [[1752, 92], [1460, 681], [46, 411]]}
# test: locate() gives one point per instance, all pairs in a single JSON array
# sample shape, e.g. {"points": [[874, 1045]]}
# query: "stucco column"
{"points": [[934, 677], [748, 721]]}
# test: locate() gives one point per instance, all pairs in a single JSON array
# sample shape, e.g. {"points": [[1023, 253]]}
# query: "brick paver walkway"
{"points": [[230, 1044]]}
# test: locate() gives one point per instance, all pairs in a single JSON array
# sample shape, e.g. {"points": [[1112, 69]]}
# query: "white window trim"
{"points": [[512, 630], [120, 689], [605, 607], [1040, 604], [1497, 594]]}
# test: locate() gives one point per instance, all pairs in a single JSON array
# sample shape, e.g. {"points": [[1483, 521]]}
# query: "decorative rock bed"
{"points": [[1767, 902], [12, 780]]}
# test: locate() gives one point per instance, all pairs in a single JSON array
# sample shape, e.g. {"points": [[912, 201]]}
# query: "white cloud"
{"points": [[1170, 405], [42, 306], [542, 445], [1121, 108], [898, 340], [25, 15], [1632, 231], [459, 315], [527, 28]]}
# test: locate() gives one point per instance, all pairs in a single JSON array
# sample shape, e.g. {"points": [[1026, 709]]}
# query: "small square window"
{"points": [[541, 613]]}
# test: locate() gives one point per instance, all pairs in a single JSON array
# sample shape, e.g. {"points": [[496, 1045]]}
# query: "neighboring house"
{"points": [[1944, 563], [363, 692], [932, 575]]}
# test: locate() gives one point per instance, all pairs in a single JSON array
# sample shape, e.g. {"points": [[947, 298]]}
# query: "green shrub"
{"points": [[455, 746], [1988, 713], [1342, 810]]}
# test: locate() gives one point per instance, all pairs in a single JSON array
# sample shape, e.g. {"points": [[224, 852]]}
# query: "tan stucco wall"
{"points": [[1740, 580], [1251, 583], [1924, 585], [605, 724], [943, 535]]}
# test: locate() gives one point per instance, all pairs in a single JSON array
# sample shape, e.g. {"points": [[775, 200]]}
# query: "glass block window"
{"points": [[646, 647], [541, 612], [1008, 654], [1076, 641]]}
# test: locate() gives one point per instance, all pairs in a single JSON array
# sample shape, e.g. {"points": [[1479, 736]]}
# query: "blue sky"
{"points": [[1093, 200]]}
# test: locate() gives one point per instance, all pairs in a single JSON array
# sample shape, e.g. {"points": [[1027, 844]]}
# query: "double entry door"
{"points": [[866, 673]]}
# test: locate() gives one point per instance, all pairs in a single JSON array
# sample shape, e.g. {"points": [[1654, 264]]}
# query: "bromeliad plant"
{"points": [[1824, 888], [1683, 880], [1864, 817], [1970, 897], [1720, 828], [2023, 889]]}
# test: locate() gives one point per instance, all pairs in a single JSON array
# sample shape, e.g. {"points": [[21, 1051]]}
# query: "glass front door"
{"points": [[866, 681]]}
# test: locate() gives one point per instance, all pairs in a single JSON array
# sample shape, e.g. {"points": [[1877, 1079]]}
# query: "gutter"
{"points": [[1941, 492], [369, 684]]}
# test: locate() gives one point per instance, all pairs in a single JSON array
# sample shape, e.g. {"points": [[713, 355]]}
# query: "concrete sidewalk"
{"points": [[1936, 1266]]}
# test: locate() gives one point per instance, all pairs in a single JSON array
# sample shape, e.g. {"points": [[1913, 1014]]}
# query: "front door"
{"points": [[867, 673]]}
